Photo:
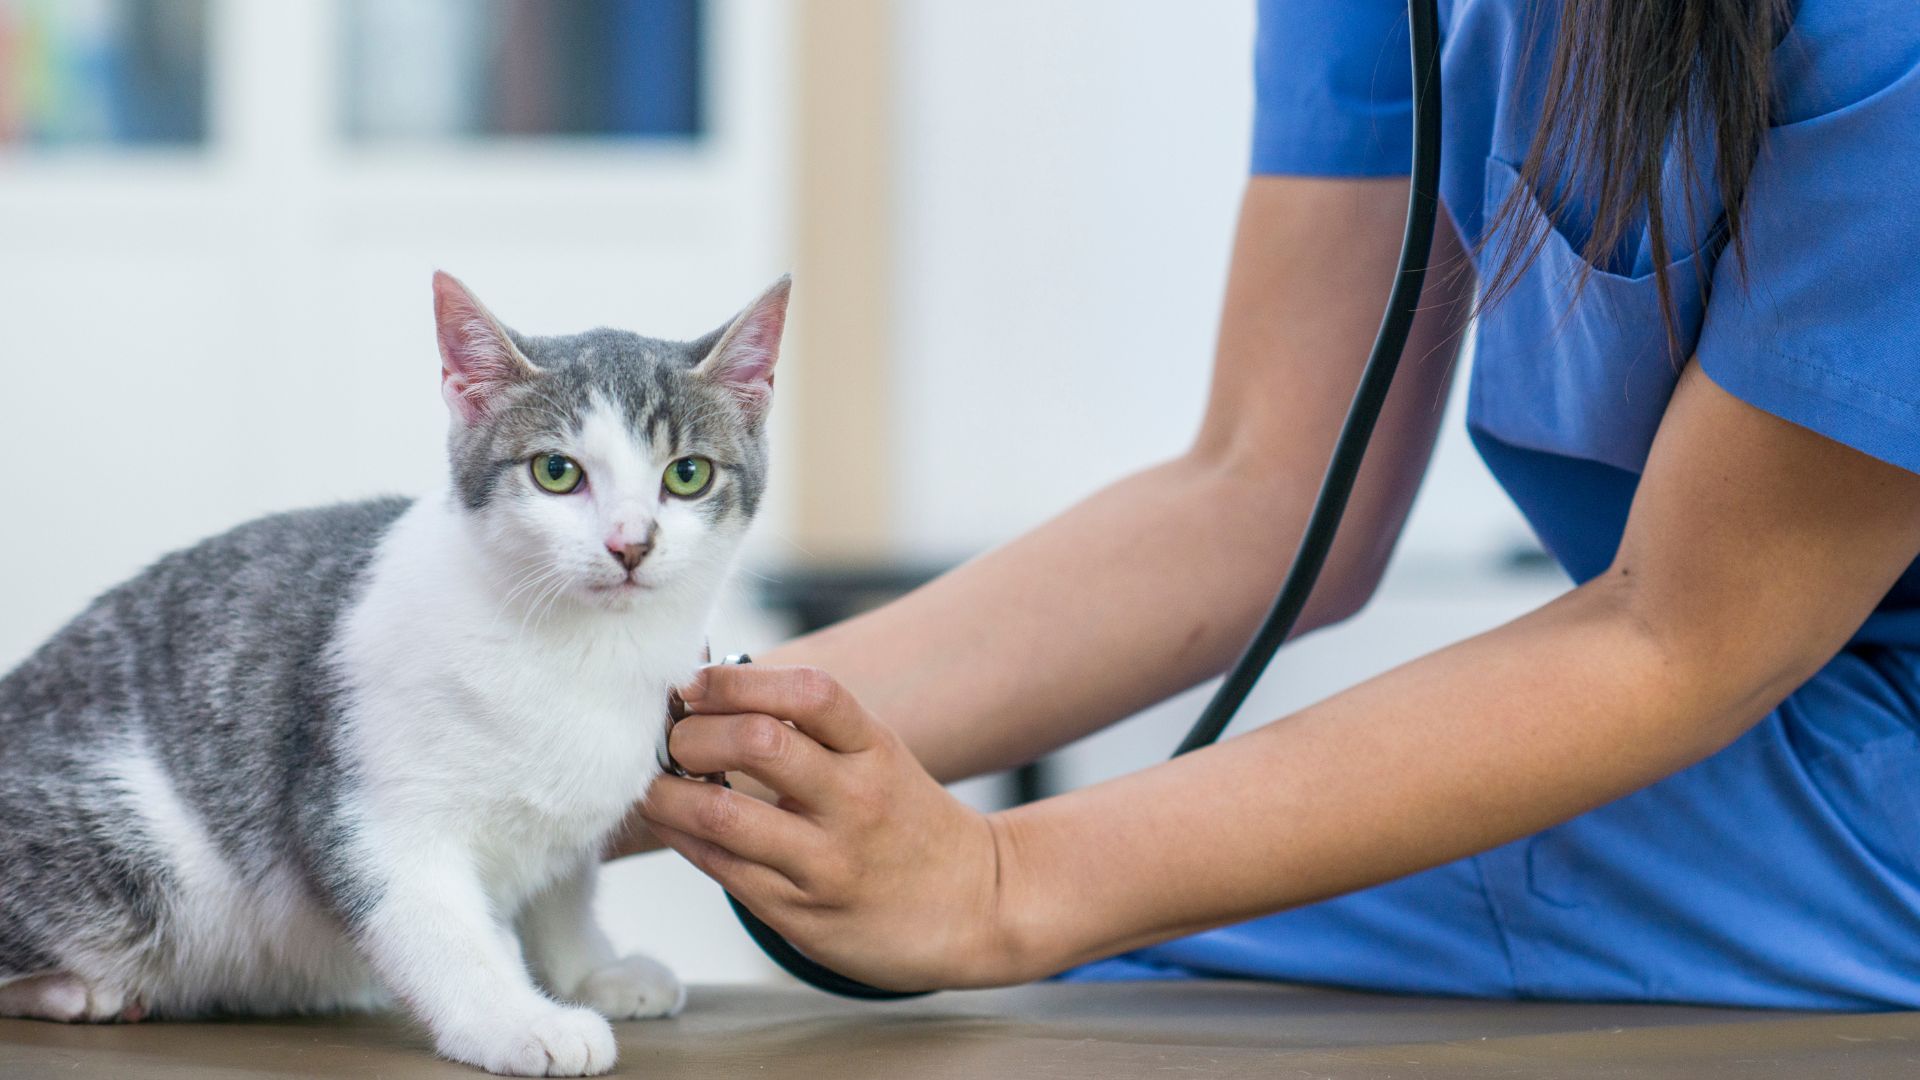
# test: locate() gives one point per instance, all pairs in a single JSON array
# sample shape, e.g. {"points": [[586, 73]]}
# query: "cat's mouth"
{"points": [[623, 587]]}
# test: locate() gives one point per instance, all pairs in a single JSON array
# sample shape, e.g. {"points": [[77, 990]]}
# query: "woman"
{"points": [[1691, 778]]}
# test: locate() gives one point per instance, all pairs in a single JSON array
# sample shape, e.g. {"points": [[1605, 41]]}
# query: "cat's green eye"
{"points": [[688, 477], [557, 473]]}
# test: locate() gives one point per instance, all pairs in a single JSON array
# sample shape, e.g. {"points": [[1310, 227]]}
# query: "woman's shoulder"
{"points": [[1840, 53]]}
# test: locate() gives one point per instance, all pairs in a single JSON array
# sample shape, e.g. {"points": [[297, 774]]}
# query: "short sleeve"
{"points": [[1333, 88], [1823, 328]]}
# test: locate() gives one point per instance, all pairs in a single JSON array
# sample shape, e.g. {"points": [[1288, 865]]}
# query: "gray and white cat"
{"points": [[372, 752]]}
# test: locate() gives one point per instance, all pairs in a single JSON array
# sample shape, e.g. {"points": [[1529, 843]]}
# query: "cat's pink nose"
{"points": [[629, 555]]}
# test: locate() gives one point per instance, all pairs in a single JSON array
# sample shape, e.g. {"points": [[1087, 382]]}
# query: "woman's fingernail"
{"points": [[696, 689]]}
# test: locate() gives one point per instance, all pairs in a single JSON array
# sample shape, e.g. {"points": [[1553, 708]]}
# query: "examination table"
{"points": [[1064, 1032]]}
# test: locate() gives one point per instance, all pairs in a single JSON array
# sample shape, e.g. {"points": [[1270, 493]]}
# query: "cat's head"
{"points": [[604, 468]]}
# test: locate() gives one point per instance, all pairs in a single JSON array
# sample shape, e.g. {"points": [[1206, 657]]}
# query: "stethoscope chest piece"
{"points": [[777, 948]]}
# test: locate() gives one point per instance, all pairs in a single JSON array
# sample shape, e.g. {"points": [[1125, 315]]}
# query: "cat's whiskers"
{"points": [[521, 577], [547, 602], [530, 585], [532, 605], [536, 575], [757, 576], [789, 541]]}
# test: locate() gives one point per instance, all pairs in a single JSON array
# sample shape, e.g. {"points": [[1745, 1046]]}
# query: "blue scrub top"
{"points": [[1567, 393], [1784, 871]]}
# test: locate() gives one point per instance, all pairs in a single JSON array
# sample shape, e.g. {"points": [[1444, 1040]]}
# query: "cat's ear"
{"points": [[742, 359], [478, 360]]}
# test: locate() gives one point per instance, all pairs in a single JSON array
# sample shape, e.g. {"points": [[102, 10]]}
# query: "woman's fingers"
{"points": [[758, 745], [886, 875], [807, 698], [748, 881], [741, 825], [633, 837]]}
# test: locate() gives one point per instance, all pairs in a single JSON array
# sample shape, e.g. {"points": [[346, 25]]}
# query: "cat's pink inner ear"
{"points": [[745, 356], [477, 359]]}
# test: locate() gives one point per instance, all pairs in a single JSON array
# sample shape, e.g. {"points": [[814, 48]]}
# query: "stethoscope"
{"points": [[1328, 506]]}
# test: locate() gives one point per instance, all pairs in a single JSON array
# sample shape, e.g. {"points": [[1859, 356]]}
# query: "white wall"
{"points": [[1069, 176]]}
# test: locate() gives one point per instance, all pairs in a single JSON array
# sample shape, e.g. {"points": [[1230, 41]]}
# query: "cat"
{"points": [[371, 753]]}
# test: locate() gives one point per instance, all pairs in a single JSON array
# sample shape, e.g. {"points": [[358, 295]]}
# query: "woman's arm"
{"points": [[1754, 549], [1154, 583]]}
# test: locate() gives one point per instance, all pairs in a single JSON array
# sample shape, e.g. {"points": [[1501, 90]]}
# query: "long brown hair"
{"points": [[1631, 82]]}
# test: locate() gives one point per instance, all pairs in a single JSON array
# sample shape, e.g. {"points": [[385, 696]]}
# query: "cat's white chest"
{"points": [[521, 744], [565, 760], [573, 742], [557, 737]]}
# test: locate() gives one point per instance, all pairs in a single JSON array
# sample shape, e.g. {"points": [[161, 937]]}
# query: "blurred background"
{"points": [[1008, 222]]}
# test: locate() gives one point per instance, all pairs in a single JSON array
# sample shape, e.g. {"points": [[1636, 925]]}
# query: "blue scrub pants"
{"points": [[1783, 871]]}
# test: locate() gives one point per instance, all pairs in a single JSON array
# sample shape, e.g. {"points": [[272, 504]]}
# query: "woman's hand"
{"points": [[634, 837], [864, 862]]}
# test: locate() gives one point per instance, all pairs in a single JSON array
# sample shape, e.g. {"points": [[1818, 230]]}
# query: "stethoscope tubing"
{"points": [[1323, 523]]}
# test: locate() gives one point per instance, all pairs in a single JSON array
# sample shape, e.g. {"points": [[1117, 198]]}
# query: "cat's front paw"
{"points": [[632, 988], [555, 1041]]}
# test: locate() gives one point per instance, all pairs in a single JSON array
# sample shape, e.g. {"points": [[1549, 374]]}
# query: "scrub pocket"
{"points": [[1856, 727], [1876, 790], [1588, 378], [1782, 872]]}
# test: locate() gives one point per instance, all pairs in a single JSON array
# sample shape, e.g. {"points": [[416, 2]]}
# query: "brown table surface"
{"points": [[1110, 1031]]}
